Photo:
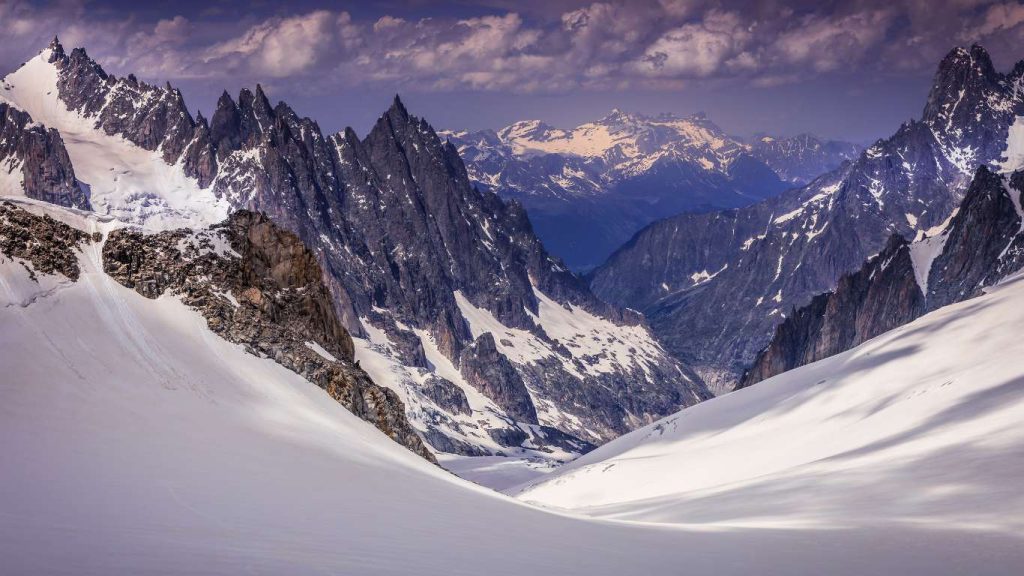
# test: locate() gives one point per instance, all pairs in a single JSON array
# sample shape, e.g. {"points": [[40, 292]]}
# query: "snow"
{"points": [[11, 178], [320, 350], [496, 472], [922, 254], [705, 276], [1013, 156], [17, 288], [632, 142], [135, 441], [229, 297], [788, 215], [124, 180], [207, 242], [911, 432]]}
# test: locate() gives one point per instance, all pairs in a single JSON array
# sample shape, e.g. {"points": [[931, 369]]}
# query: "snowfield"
{"points": [[135, 441], [916, 430]]}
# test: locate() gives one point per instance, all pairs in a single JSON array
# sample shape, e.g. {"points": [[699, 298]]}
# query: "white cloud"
{"points": [[698, 50], [997, 18], [283, 46]]}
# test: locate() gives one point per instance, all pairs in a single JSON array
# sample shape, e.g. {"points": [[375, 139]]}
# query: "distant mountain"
{"points": [[802, 158], [588, 189], [714, 286], [491, 345], [982, 244]]}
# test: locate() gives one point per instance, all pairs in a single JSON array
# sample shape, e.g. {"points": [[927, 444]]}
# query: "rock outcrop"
{"points": [[33, 159], [257, 285], [802, 158], [490, 371], [48, 245]]}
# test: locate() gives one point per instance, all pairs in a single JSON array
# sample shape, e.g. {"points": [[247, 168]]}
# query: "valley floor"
{"points": [[134, 441]]}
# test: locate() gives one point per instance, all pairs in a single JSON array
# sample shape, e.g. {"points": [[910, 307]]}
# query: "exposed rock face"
{"points": [[35, 156], [446, 395], [981, 245], [979, 242], [714, 286], [802, 158], [879, 297], [401, 230], [50, 246], [257, 285], [489, 371]]}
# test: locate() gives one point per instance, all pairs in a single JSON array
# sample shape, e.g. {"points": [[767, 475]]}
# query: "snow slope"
{"points": [[124, 180], [1013, 157], [133, 440], [918, 429]]}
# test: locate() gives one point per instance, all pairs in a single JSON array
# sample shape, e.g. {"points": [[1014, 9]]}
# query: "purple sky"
{"points": [[851, 70]]}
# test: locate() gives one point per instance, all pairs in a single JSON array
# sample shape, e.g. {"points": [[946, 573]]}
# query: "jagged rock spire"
{"points": [[56, 49], [398, 108]]}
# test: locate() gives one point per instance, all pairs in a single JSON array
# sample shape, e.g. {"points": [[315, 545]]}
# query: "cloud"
{"points": [[282, 46], [711, 46], [997, 18], [824, 44], [552, 46]]}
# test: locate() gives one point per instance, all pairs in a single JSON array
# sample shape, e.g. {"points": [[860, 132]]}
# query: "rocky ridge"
{"points": [[802, 158], [982, 244]]}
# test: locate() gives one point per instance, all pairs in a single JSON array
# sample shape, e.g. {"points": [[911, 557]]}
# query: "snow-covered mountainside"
{"points": [[492, 345], [137, 440], [714, 286], [590, 188], [120, 136], [913, 430]]}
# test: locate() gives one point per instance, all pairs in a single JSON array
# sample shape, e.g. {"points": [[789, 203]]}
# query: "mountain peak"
{"points": [[261, 97], [225, 100], [966, 59], [56, 51], [397, 108], [960, 83]]}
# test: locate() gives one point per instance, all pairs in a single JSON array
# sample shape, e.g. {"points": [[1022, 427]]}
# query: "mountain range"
{"points": [[242, 344], [491, 345], [714, 286], [590, 188]]}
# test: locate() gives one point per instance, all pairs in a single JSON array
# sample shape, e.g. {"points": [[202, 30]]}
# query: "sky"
{"points": [[850, 70]]}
